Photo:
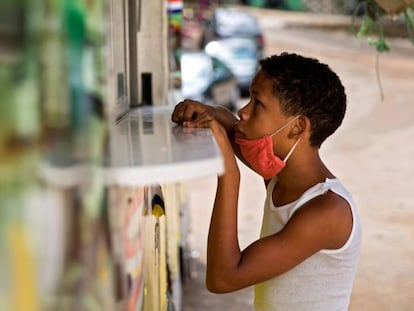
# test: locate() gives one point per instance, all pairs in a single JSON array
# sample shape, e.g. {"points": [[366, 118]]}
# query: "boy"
{"points": [[307, 254]]}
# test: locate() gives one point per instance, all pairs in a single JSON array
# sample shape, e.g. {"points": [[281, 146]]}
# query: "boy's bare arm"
{"points": [[324, 223]]}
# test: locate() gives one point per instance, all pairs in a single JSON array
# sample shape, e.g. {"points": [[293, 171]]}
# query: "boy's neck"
{"points": [[303, 173]]}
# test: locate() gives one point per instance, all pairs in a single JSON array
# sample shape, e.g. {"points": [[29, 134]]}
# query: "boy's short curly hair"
{"points": [[307, 87]]}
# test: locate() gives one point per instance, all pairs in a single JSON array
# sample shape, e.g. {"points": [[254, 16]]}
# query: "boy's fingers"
{"points": [[187, 110], [178, 113], [190, 112]]}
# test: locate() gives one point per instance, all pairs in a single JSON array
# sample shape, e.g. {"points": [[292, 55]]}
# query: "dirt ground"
{"points": [[373, 155]]}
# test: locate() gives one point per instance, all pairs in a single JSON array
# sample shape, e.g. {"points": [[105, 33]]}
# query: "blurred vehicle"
{"points": [[265, 3], [207, 79], [231, 22], [240, 55]]}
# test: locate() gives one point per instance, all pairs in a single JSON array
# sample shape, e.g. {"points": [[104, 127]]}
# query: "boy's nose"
{"points": [[243, 113]]}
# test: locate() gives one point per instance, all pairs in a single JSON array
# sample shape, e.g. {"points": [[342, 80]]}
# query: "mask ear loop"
{"points": [[296, 143], [291, 150], [284, 126]]}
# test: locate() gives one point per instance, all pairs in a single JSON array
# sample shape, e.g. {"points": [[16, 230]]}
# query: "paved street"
{"points": [[372, 153]]}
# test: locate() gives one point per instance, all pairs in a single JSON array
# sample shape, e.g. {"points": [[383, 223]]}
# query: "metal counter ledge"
{"points": [[146, 147]]}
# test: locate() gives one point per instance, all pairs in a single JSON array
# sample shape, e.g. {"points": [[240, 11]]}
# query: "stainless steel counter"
{"points": [[146, 147]]}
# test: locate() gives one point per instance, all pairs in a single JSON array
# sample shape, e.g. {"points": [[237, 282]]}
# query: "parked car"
{"points": [[266, 3], [232, 22], [209, 80], [240, 55]]}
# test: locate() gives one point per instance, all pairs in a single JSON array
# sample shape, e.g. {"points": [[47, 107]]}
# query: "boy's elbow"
{"points": [[218, 285], [215, 288]]}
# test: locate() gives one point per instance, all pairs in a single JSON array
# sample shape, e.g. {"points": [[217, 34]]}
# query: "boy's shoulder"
{"points": [[329, 213], [328, 204]]}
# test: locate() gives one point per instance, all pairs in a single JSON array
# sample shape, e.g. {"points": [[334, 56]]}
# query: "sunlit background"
{"points": [[71, 69]]}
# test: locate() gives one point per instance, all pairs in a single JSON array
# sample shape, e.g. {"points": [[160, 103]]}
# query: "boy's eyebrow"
{"points": [[256, 94], [252, 91]]}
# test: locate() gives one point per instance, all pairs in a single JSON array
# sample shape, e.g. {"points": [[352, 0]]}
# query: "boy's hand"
{"points": [[189, 110], [193, 114]]}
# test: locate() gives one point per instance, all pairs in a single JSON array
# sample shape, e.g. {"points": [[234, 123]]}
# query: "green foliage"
{"points": [[372, 29], [409, 23]]}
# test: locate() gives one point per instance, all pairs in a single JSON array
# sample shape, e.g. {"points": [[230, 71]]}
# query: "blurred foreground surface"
{"points": [[371, 153]]}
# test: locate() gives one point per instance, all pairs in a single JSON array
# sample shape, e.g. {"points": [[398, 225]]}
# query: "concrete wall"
{"points": [[152, 48]]}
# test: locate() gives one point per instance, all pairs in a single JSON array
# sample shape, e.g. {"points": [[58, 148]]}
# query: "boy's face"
{"points": [[262, 114]]}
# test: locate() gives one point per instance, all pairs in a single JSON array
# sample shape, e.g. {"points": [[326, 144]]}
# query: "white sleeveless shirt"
{"points": [[323, 282]]}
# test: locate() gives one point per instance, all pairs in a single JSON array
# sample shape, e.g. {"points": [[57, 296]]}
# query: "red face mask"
{"points": [[259, 153]]}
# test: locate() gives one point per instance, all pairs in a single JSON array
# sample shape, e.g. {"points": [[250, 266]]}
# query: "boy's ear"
{"points": [[300, 125]]}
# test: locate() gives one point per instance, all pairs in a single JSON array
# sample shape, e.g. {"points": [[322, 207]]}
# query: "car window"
{"points": [[243, 52], [230, 22], [233, 48]]}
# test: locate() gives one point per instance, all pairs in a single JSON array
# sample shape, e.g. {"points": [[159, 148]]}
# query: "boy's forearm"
{"points": [[223, 252], [228, 120], [225, 117]]}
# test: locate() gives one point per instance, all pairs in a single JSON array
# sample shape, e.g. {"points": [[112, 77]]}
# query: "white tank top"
{"points": [[323, 282]]}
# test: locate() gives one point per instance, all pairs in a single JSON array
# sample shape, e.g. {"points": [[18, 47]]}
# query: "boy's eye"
{"points": [[257, 102]]}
